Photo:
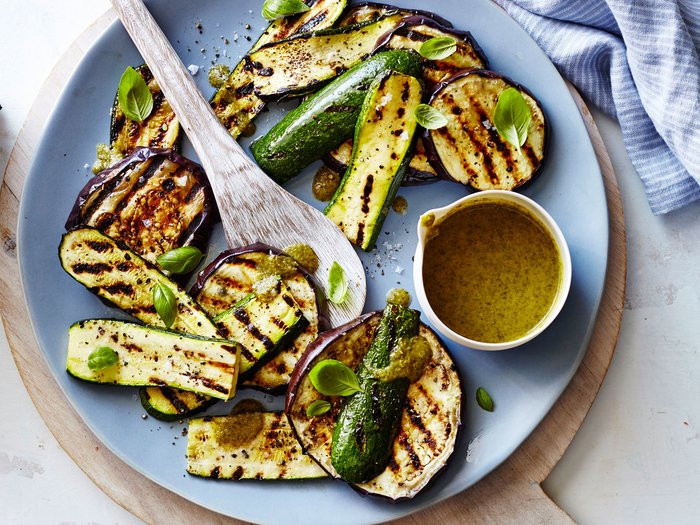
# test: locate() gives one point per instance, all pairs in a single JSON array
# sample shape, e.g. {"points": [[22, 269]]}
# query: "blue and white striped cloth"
{"points": [[638, 61]]}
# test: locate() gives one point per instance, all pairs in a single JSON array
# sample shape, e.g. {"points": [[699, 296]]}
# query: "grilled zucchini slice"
{"points": [[161, 129], [306, 61], [154, 201], [230, 277], [109, 269], [327, 118], [235, 103], [381, 152], [469, 149], [263, 328], [151, 356], [248, 445], [429, 421], [171, 404]]}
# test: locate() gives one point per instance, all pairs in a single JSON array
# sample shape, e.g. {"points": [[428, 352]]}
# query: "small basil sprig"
{"points": [[135, 99], [101, 358], [429, 117], [333, 378], [337, 284], [318, 408], [438, 48], [180, 260], [512, 117], [165, 303], [278, 8], [484, 400]]}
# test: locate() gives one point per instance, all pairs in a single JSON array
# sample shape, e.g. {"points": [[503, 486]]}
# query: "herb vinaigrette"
{"points": [[491, 272]]}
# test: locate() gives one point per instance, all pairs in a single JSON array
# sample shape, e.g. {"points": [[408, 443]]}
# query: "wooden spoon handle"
{"points": [[200, 124]]}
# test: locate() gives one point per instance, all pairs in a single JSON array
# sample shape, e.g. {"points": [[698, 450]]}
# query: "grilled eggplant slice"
{"points": [[109, 269], [326, 119], [367, 11], [171, 404], [382, 147], [469, 149], [161, 129], [429, 422], [230, 277], [263, 328], [413, 31], [154, 201], [235, 103], [306, 61], [152, 356], [248, 445], [419, 169]]}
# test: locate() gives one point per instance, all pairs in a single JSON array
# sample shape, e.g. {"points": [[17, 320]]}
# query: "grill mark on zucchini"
{"points": [[92, 268], [174, 400], [244, 318]]}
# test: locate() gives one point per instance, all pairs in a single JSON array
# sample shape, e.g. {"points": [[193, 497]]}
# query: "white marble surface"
{"points": [[635, 461]]}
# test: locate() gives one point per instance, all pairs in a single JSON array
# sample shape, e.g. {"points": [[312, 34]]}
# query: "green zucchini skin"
{"points": [[367, 425], [324, 121], [170, 404]]}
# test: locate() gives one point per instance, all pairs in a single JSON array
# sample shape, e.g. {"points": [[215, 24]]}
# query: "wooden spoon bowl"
{"points": [[253, 208]]}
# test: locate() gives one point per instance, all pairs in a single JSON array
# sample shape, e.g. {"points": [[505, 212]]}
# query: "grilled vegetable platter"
{"points": [[221, 358]]}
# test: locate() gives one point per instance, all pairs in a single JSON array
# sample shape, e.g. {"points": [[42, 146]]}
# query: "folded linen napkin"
{"points": [[637, 60]]}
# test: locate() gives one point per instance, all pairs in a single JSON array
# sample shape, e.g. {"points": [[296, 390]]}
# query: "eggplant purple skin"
{"points": [[431, 152], [197, 233], [303, 366], [226, 255], [420, 19], [428, 14]]}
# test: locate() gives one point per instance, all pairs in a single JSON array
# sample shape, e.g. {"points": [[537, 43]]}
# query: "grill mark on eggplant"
{"points": [[91, 268], [174, 399], [238, 473], [417, 421], [415, 460], [412, 34], [487, 162]]}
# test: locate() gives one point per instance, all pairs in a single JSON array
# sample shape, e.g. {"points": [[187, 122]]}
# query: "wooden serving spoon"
{"points": [[253, 208]]}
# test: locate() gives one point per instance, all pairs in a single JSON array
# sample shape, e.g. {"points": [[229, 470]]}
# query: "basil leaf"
{"points": [[278, 8], [164, 301], [101, 358], [180, 260], [429, 117], [438, 48], [318, 408], [134, 97], [484, 399], [337, 284], [333, 378], [512, 117]]}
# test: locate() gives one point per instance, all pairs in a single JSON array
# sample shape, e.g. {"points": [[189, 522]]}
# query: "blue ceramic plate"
{"points": [[524, 382]]}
